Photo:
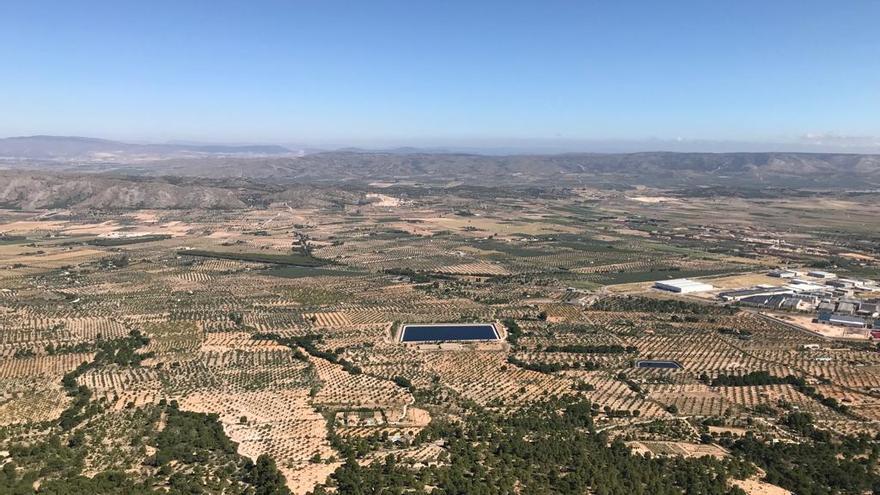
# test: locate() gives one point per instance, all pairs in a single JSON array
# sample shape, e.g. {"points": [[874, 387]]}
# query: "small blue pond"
{"points": [[439, 333], [651, 363]]}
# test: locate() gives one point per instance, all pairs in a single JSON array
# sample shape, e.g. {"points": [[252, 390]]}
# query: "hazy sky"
{"points": [[420, 72]]}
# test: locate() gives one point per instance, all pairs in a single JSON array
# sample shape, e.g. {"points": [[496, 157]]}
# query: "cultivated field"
{"points": [[281, 321]]}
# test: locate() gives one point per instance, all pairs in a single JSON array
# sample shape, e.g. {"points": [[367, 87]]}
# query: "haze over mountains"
{"points": [[83, 148], [46, 171]]}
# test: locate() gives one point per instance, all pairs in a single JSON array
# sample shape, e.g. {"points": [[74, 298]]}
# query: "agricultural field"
{"points": [[274, 330]]}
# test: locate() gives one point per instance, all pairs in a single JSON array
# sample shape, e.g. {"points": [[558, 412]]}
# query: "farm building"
{"points": [[841, 320], [682, 286]]}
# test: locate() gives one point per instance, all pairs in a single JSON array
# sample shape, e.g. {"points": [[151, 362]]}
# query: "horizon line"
{"points": [[512, 146]]}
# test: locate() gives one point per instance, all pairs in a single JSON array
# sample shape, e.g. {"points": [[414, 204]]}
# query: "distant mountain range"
{"points": [[72, 147], [278, 165], [663, 169]]}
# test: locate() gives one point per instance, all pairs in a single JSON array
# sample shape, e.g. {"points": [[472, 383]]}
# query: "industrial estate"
{"points": [[844, 302]]}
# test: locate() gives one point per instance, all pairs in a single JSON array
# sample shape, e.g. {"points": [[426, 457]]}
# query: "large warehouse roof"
{"points": [[682, 285]]}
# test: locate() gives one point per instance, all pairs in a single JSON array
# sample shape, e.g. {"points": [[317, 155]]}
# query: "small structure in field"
{"points": [[658, 364]]}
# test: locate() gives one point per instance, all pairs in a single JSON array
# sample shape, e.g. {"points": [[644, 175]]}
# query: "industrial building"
{"points": [[841, 320], [826, 307], [871, 310], [808, 285], [682, 286], [821, 274], [780, 273], [738, 295], [802, 286], [842, 283], [788, 302], [847, 307]]}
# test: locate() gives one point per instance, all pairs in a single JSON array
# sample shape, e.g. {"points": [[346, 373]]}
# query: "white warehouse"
{"points": [[682, 285]]}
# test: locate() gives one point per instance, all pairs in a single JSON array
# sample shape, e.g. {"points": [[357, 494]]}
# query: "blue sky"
{"points": [[468, 73]]}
